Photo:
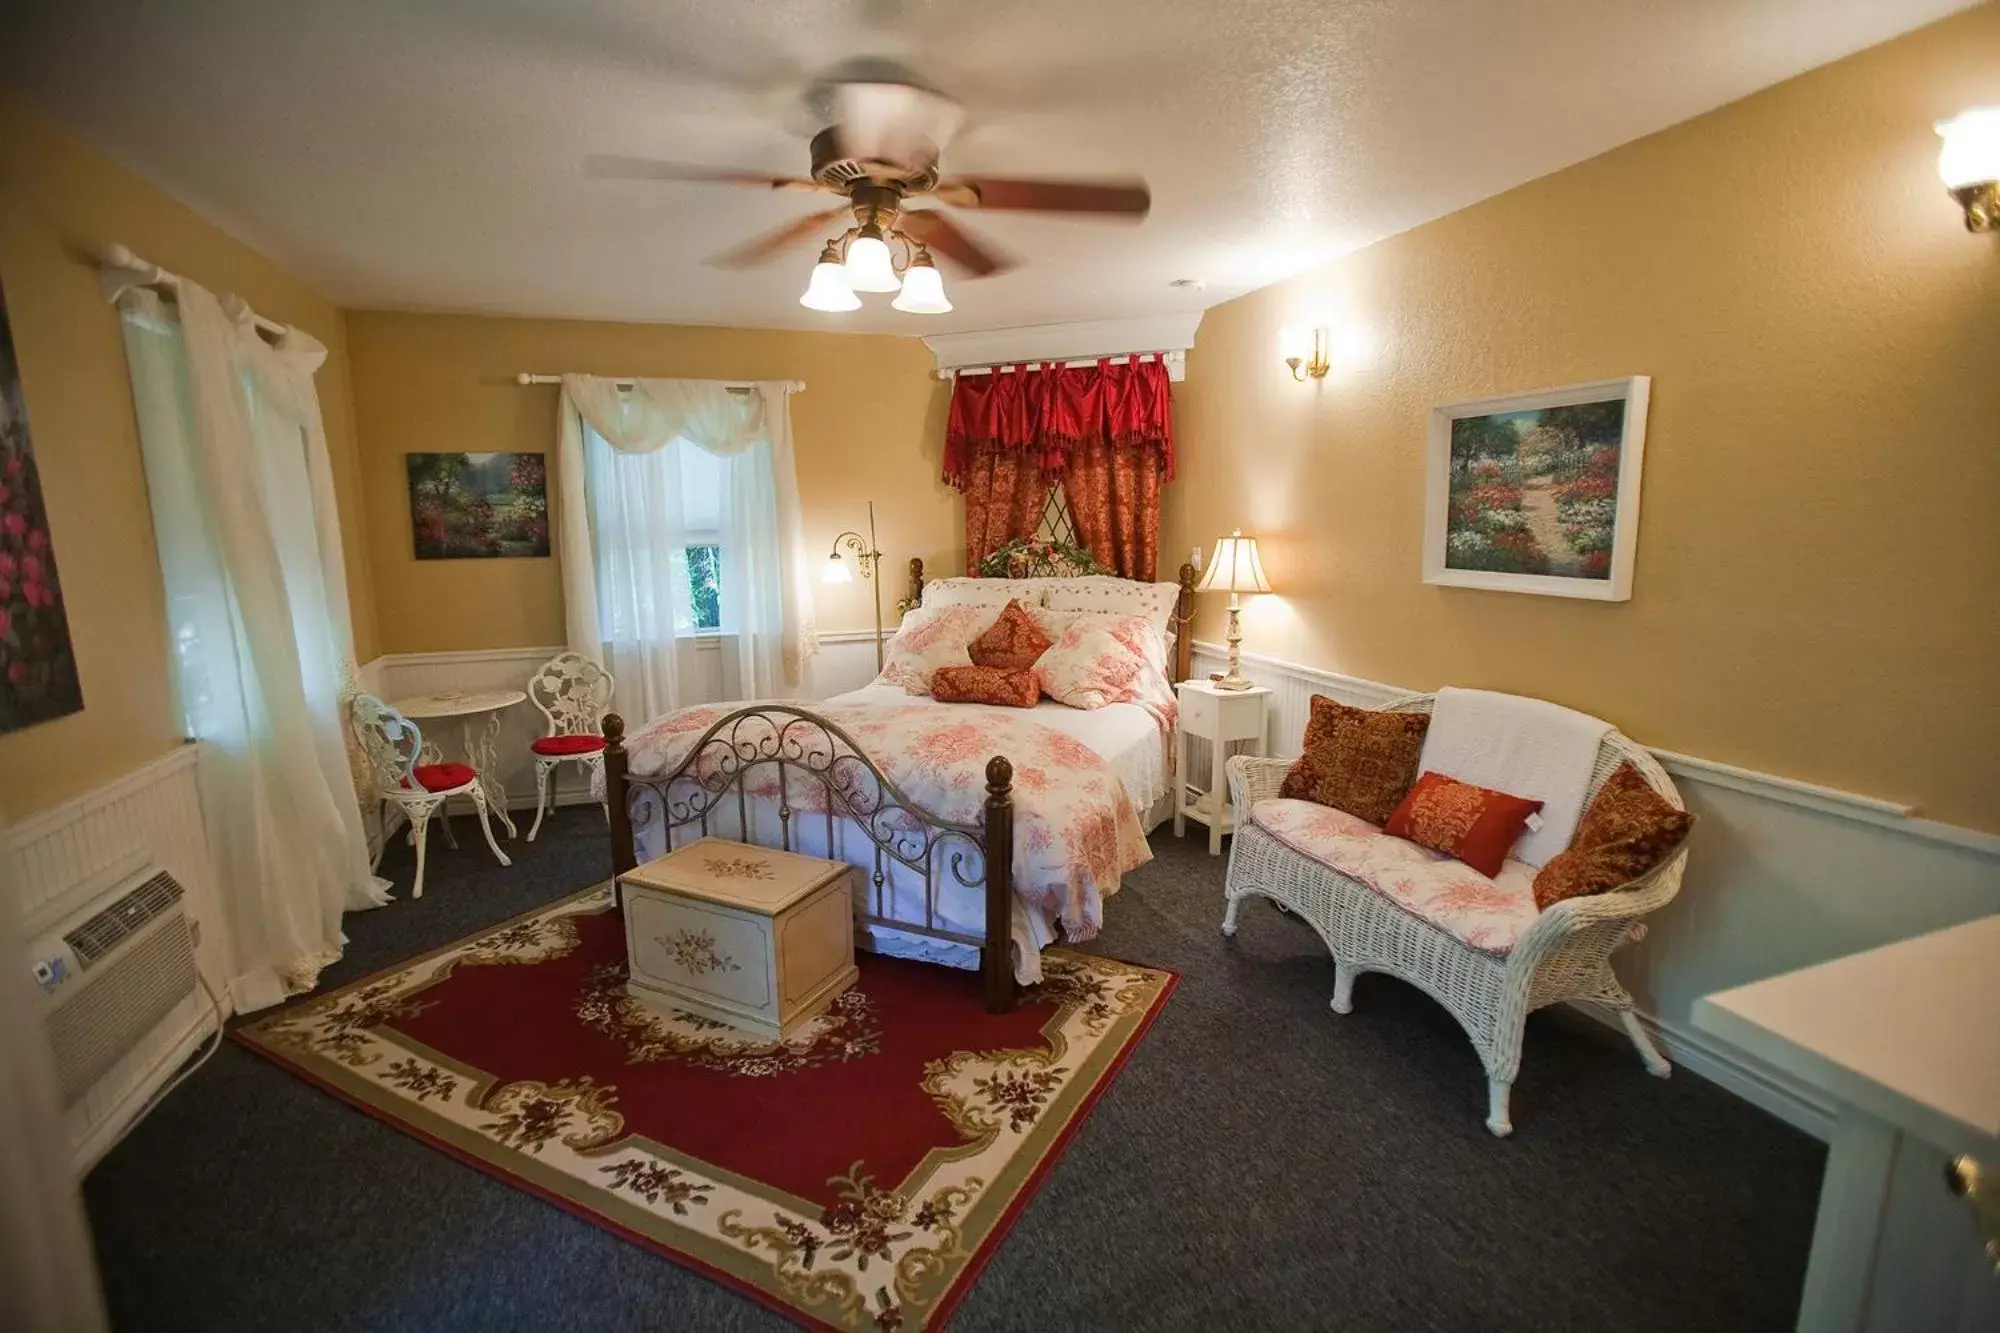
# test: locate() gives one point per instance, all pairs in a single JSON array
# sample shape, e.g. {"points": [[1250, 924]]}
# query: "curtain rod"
{"points": [[128, 270], [796, 386], [1168, 358]]}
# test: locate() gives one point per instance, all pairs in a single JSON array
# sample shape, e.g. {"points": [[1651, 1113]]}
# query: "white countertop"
{"points": [[1909, 1032]]}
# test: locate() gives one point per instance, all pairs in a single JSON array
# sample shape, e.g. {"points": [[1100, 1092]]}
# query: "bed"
{"points": [[972, 824]]}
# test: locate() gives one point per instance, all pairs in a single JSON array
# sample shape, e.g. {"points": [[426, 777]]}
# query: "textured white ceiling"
{"points": [[428, 155]]}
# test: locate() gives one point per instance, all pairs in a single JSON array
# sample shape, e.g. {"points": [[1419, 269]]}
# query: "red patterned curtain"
{"points": [[1103, 432]]}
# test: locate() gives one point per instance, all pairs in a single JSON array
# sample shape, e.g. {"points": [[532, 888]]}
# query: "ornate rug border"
{"points": [[395, 1112]]}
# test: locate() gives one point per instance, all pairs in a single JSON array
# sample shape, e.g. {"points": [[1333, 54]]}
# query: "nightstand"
{"points": [[1218, 717]]}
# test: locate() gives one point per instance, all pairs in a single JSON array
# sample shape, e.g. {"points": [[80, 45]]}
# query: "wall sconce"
{"points": [[1969, 162], [1308, 351]]}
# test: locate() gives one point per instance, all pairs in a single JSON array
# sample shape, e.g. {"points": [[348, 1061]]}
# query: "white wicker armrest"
{"points": [[1253, 778], [1627, 903]]}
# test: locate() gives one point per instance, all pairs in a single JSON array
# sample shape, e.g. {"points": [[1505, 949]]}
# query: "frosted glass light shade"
{"points": [[836, 570], [1971, 152], [1234, 567], [828, 290], [923, 290], [868, 266]]}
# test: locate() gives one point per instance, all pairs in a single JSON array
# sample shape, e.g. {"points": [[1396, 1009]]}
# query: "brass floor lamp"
{"points": [[869, 558]]}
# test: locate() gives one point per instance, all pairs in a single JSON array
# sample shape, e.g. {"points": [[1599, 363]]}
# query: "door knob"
{"points": [[1980, 1188]]}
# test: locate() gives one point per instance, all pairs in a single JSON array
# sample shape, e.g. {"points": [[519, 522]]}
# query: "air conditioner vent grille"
{"points": [[118, 922]]}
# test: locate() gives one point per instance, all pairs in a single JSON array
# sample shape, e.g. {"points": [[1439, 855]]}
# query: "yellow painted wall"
{"points": [[870, 425], [1817, 587], [61, 205]]}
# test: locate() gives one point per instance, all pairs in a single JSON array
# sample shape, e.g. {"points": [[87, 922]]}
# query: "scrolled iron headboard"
{"points": [[789, 739]]}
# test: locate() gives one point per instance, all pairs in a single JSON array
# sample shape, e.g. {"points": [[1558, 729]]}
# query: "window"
{"points": [[703, 503]]}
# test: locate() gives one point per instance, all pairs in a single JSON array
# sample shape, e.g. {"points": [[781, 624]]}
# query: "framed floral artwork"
{"points": [[468, 506], [38, 679], [1538, 492]]}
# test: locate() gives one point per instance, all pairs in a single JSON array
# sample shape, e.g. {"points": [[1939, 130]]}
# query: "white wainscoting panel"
{"points": [[846, 661], [1782, 874], [60, 856]]}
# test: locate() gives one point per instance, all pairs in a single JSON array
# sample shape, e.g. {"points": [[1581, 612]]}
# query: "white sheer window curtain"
{"points": [[249, 544], [650, 473]]}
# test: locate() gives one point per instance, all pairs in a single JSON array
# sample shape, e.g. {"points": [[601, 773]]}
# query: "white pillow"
{"points": [[931, 637], [995, 593], [1101, 660], [1102, 593]]}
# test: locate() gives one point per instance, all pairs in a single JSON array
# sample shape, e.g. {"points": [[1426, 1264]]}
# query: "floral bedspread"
{"points": [[1075, 830]]}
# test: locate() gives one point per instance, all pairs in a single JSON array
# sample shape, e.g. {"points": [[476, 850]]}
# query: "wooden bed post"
{"points": [[1184, 624], [996, 956], [916, 580], [624, 856]]}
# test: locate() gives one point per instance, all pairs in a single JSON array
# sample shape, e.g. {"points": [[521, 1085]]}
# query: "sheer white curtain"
{"points": [[249, 547], [624, 533]]}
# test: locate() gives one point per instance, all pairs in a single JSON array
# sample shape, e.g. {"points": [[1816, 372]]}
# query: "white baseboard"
{"points": [[1797, 1104]]}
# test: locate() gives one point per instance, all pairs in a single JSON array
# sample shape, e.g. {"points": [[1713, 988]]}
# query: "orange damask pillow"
{"points": [[1357, 759], [1013, 643], [1017, 687], [1626, 830], [1475, 824]]}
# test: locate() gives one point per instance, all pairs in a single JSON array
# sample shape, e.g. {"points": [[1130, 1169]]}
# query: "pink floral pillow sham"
{"points": [[932, 637], [1100, 660]]}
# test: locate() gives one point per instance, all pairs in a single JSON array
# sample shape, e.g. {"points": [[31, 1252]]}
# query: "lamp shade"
{"points": [[1234, 566], [1971, 151], [868, 266], [828, 290], [836, 570], [923, 290]]}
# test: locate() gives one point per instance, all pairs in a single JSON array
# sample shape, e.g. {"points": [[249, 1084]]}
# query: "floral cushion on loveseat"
{"points": [[1484, 914]]}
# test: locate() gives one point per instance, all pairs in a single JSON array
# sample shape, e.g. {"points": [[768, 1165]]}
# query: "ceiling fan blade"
{"points": [[1128, 198], [940, 233], [769, 244], [612, 167]]}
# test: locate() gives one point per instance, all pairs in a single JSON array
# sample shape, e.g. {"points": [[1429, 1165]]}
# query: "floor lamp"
{"points": [[869, 557]]}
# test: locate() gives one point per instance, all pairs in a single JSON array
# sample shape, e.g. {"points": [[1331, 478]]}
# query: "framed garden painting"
{"points": [[1538, 492], [467, 506], [38, 680]]}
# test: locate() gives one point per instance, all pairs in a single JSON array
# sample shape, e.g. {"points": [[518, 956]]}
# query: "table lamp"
{"points": [[1235, 569]]}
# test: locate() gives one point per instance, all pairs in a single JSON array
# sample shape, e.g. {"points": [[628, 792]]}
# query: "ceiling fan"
{"points": [[879, 151]]}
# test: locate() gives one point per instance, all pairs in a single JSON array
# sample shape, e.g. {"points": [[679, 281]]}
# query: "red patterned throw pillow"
{"points": [[1357, 759], [1015, 687], [1626, 830], [1475, 824], [1013, 643]]}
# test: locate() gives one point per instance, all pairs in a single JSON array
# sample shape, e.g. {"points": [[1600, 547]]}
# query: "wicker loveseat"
{"points": [[1563, 954]]}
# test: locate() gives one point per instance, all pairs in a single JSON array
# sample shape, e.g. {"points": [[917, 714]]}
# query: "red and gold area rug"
{"points": [[855, 1177]]}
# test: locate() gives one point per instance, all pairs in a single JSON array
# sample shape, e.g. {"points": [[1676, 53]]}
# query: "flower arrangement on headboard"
{"points": [[1024, 558]]}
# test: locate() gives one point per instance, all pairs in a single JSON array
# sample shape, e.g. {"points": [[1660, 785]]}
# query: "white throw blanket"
{"points": [[1524, 747]]}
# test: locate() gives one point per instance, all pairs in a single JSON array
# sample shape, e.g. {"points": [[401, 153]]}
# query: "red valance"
{"points": [[1047, 413]]}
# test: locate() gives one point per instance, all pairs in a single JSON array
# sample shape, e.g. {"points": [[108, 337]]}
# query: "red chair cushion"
{"points": [[442, 777], [568, 745]]}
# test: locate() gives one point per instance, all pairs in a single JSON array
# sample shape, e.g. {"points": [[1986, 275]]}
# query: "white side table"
{"points": [[1218, 717], [478, 713]]}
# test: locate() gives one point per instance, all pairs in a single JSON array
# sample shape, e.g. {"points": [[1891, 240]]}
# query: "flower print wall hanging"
{"points": [[37, 667]]}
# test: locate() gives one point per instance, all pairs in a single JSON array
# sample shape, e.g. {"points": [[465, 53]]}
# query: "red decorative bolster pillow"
{"points": [[1477, 825], [1016, 688]]}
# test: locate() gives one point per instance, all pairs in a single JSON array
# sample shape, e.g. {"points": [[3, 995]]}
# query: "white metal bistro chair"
{"points": [[411, 774], [573, 693]]}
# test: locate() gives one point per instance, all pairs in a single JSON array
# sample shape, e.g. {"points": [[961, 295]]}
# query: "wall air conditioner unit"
{"points": [[121, 1002]]}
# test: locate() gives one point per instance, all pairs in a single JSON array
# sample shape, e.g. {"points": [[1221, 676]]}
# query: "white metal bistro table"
{"points": [[478, 713]]}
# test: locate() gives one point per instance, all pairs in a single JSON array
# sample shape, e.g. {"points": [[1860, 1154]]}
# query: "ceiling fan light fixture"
{"points": [[828, 289], [923, 288], [869, 268]]}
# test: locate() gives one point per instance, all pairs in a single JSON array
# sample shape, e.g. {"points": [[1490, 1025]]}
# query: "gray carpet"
{"points": [[1260, 1164]]}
